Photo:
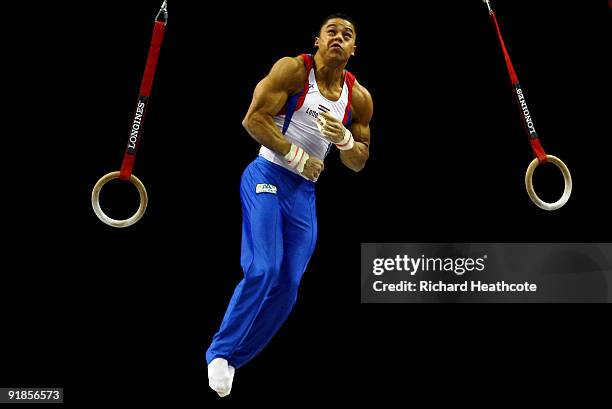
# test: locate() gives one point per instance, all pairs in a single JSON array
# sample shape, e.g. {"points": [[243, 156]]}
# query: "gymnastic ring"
{"points": [[566, 177], [95, 201]]}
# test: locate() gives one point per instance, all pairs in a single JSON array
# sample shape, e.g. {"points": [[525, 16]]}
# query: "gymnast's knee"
{"points": [[290, 282], [262, 273]]}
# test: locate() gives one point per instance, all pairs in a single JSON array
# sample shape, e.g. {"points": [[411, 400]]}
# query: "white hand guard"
{"points": [[346, 143], [296, 158]]}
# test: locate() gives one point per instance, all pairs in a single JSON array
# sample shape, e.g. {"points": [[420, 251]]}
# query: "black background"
{"points": [[95, 309]]}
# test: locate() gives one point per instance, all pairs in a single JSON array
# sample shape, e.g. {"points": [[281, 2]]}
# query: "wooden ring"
{"points": [[566, 177], [95, 201]]}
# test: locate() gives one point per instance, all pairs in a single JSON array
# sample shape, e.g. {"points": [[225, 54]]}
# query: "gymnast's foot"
{"points": [[220, 376]]}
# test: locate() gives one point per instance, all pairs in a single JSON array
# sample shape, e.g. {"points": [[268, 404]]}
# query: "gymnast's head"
{"points": [[335, 39]]}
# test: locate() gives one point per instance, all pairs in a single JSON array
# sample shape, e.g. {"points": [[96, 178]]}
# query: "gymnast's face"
{"points": [[336, 41]]}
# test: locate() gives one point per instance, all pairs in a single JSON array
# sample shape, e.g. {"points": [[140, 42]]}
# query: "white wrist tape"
{"points": [[348, 141], [296, 158]]}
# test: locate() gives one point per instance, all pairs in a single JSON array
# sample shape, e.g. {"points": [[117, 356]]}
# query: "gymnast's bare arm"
{"points": [[286, 78], [362, 110]]}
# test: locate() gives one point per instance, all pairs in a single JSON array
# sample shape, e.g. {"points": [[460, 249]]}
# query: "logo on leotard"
{"points": [[265, 188], [312, 113]]}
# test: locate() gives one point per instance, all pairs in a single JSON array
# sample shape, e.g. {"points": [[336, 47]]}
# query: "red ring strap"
{"points": [[536, 146], [145, 91]]}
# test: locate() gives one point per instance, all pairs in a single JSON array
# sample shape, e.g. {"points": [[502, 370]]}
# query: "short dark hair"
{"points": [[336, 15]]}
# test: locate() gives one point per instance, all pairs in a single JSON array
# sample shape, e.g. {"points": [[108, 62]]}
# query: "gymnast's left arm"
{"points": [[362, 110]]}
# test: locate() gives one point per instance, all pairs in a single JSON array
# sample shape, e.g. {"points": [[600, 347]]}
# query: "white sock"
{"points": [[220, 376]]}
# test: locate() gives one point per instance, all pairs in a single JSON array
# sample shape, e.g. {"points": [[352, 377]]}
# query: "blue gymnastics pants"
{"points": [[279, 232]]}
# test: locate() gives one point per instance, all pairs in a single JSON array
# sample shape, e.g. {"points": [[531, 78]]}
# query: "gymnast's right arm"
{"points": [[287, 77]]}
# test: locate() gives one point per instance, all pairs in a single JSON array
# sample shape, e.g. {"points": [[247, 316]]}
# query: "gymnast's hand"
{"points": [[333, 130], [330, 128], [312, 169]]}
